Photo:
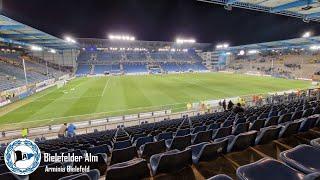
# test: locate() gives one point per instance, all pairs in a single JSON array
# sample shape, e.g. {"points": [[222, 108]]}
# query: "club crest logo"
{"points": [[22, 156]]}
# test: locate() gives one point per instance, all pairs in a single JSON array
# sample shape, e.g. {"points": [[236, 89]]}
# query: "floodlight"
{"points": [[222, 46], [70, 39], [315, 47], [306, 34], [121, 37], [241, 52], [228, 53], [185, 41], [35, 48], [253, 51], [52, 51]]}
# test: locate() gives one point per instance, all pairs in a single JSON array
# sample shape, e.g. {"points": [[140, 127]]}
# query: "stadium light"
{"points": [[241, 53], [121, 37], [35, 48], [228, 53], [52, 51], [306, 34], [253, 51], [70, 39], [185, 41], [222, 46], [315, 47]]}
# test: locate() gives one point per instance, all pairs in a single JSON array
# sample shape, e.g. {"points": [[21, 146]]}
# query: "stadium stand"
{"points": [[130, 62], [173, 145]]}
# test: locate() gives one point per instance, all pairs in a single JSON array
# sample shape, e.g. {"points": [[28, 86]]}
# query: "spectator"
{"points": [[230, 105], [71, 130], [224, 105], [24, 132], [62, 130], [238, 109]]}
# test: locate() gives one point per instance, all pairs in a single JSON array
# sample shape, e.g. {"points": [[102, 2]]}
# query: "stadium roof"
{"points": [[14, 32], [308, 10]]}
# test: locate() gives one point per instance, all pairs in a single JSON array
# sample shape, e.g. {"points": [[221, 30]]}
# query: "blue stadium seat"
{"points": [[164, 136], [308, 123], [289, 129], [39, 173], [285, 118], [122, 155], [257, 125], [170, 161], [202, 136], [214, 126], [151, 148], [104, 148], [93, 174], [198, 129], [266, 169], [242, 141], [142, 140], [221, 132], [307, 112], [304, 158], [179, 142], [121, 144], [296, 115], [271, 121], [133, 169], [240, 128], [220, 177], [208, 151], [182, 132], [227, 123], [267, 134]]}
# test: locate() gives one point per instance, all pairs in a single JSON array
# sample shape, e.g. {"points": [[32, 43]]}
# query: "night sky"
{"points": [[156, 20]]}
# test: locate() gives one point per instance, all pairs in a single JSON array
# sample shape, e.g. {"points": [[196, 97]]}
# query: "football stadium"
{"points": [[127, 107]]}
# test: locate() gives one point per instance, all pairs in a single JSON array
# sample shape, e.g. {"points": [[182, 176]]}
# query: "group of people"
{"points": [[67, 131], [231, 107]]}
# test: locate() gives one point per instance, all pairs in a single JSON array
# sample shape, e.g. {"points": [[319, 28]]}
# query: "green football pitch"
{"points": [[96, 97]]}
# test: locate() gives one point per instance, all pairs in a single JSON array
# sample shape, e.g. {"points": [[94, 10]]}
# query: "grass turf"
{"points": [[89, 98]]}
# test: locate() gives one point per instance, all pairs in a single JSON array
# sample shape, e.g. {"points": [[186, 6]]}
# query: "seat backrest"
{"points": [[198, 129], [308, 123], [271, 121], [296, 115], [181, 142], [268, 134], [241, 128], [285, 118], [257, 125], [122, 144], [171, 162], [243, 141], [133, 169], [202, 136], [289, 129], [165, 136], [99, 149], [214, 126], [183, 132], [227, 123], [142, 140], [121, 155], [307, 112], [267, 168], [240, 120], [213, 150], [222, 132], [152, 148]]}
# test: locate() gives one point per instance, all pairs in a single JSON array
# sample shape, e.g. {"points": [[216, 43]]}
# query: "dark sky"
{"points": [[160, 20]]}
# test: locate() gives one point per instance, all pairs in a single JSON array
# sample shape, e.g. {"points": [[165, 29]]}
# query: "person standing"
{"points": [[71, 130], [62, 131], [224, 105]]}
